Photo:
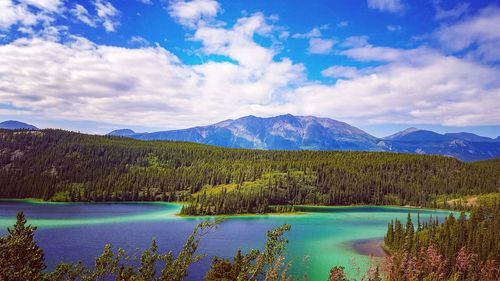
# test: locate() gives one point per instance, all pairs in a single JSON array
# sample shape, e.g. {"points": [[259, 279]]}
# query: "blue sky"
{"points": [[381, 65]]}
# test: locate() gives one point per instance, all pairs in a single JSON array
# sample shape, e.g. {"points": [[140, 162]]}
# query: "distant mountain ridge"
{"points": [[16, 125], [284, 132], [288, 132]]}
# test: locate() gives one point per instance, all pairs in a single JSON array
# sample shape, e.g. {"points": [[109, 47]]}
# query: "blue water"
{"points": [[322, 237]]}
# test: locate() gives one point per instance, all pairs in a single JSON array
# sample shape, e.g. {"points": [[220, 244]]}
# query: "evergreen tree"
{"points": [[20, 256]]}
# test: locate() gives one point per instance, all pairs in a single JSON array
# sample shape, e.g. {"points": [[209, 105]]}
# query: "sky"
{"points": [[149, 65]]}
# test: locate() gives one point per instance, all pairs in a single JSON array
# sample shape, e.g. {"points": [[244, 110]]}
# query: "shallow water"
{"points": [[319, 239]]}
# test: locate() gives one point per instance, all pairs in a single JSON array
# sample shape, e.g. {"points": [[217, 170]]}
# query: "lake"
{"points": [[320, 238]]}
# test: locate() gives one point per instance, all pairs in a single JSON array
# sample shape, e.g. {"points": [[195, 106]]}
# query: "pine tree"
{"points": [[20, 256]]}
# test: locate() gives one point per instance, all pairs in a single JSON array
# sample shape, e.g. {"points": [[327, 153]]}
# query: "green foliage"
{"points": [[254, 265], [20, 256], [62, 196], [75, 167], [458, 249]]}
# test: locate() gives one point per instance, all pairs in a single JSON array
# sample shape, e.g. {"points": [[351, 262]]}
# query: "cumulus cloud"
{"points": [[315, 32], [107, 14], [238, 42], [149, 86], [320, 46], [12, 13], [317, 45], [479, 32], [139, 41], [393, 6], [82, 14], [338, 71], [84, 81], [192, 13], [48, 5], [419, 86], [355, 41]]}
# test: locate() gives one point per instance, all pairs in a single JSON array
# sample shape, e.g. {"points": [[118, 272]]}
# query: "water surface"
{"points": [[320, 238]]}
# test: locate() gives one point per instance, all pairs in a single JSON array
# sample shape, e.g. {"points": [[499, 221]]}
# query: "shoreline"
{"points": [[299, 211], [369, 247]]}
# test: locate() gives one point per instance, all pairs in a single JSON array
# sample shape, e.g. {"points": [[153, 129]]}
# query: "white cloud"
{"points": [[84, 81], [338, 71], [12, 13], [355, 41], [139, 41], [147, 2], [315, 32], [393, 6], [480, 32], [81, 13], [317, 45], [387, 54], [238, 43], [419, 86], [81, 80], [394, 28], [320, 46], [192, 13], [48, 5], [453, 13], [107, 14]]}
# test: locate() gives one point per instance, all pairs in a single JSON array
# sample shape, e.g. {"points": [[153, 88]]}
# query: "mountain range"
{"points": [[288, 132]]}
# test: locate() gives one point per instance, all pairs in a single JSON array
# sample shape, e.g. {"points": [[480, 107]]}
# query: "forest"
{"points": [[59, 165], [463, 248]]}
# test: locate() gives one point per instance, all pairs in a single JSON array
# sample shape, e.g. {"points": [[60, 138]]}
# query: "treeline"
{"points": [[66, 166], [225, 203], [459, 249]]}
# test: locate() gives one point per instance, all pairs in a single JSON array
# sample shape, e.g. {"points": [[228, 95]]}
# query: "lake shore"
{"points": [[370, 247], [299, 209]]}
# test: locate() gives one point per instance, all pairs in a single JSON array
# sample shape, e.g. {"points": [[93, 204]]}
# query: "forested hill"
{"points": [[61, 165]]}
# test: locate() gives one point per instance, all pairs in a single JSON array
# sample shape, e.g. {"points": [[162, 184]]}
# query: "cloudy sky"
{"points": [[381, 65]]}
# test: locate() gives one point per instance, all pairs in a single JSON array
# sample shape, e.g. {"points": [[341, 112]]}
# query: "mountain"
{"points": [[416, 135], [16, 125], [401, 133], [470, 137], [288, 132], [284, 132], [464, 146], [121, 133]]}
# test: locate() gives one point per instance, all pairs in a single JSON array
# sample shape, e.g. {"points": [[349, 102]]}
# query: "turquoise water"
{"points": [[319, 239]]}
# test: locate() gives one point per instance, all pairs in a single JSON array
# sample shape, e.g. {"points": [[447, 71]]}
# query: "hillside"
{"points": [[76, 167]]}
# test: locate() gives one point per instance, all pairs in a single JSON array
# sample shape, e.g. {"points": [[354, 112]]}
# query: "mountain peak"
{"points": [[16, 125], [402, 133], [121, 133]]}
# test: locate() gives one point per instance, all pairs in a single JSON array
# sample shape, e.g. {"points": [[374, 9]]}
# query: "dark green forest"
{"points": [[66, 166], [466, 247]]}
